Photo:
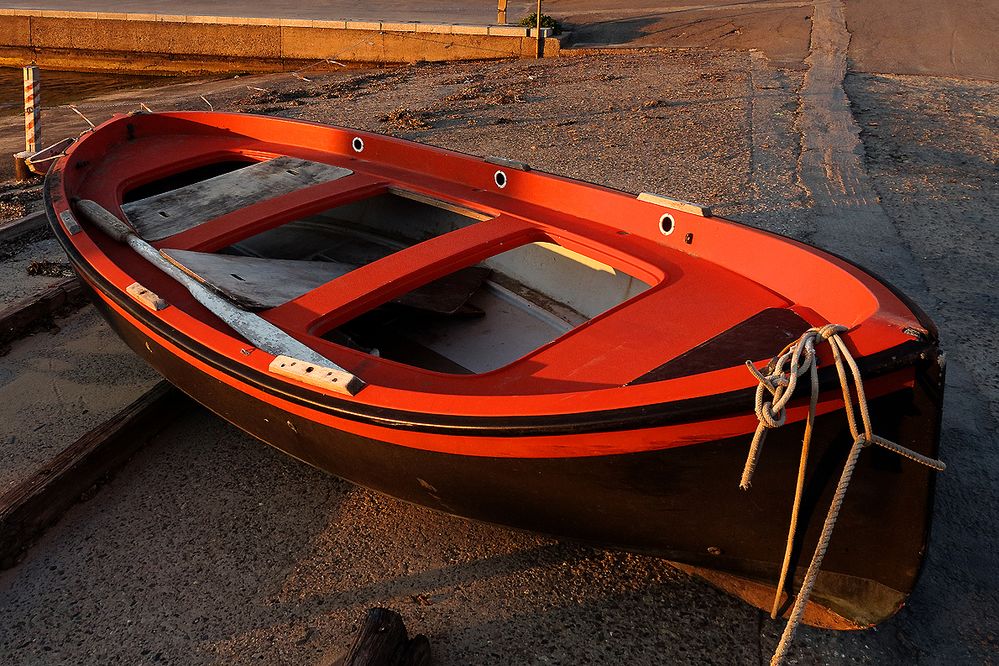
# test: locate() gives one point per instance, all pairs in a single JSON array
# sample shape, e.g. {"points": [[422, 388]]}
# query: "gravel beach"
{"points": [[209, 547]]}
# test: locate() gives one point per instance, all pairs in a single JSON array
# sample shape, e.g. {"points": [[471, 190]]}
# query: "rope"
{"points": [[77, 112], [782, 376]]}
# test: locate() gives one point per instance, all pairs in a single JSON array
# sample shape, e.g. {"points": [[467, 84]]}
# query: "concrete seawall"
{"points": [[168, 44]]}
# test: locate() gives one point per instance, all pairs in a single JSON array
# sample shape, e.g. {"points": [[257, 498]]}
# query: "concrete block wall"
{"points": [[163, 43]]}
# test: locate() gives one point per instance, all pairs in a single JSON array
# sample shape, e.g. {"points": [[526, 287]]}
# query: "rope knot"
{"points": [[829, 330], [769, 417], [780, 380]]}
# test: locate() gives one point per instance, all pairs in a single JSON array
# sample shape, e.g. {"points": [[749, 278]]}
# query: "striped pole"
{"points": [[32, 109]]}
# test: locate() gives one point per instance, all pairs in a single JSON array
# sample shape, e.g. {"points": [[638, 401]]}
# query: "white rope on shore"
{"points": [[79, 113], [782, 375]]}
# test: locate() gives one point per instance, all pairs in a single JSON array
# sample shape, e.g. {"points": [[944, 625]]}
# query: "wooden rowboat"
{"points": [[507, 345]]}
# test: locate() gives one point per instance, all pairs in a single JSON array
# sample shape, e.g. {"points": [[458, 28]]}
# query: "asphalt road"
{"points": [[954, 38]]}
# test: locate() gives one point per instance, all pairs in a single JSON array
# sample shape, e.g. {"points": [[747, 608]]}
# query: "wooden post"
{"points": [[501, 11], [541, 41], [383, 641], [32, 108], [32, 121]]}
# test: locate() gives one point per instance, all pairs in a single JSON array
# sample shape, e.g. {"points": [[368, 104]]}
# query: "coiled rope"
{"points": [[782, 376]]}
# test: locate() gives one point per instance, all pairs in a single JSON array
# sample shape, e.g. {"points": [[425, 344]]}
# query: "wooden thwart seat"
{"points": [[163, 215]]}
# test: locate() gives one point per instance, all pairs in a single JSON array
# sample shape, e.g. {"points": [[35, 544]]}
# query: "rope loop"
{"points": [[770, 418], [830, 330], [780, 380]]}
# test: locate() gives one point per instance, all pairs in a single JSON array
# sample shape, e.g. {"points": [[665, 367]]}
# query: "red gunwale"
{"points": [[104, 165], [544, 446]]}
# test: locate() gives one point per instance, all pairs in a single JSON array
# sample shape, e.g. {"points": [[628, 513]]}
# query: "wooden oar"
{"points": [[300, 361]]}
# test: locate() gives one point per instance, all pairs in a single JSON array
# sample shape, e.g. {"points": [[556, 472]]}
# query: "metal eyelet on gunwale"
{"points": [[667, 224]]}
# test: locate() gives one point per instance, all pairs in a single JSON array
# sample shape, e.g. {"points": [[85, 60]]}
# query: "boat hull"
{"points": [[629, 430], [681, 503]]}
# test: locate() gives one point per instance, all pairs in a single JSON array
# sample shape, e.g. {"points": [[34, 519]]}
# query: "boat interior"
{"points": [[418, 281], [473, 320]]}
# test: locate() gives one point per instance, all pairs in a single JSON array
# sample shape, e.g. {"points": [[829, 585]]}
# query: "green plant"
{"points": [[531, 21]]}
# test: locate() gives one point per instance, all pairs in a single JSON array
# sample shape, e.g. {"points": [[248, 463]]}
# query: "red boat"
{"points": [[507, 345]]}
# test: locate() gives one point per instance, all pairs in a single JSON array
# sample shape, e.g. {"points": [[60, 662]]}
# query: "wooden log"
{"points": [[383, 641], [27, 314], [22, 172], [31, 507], [14, 229]]}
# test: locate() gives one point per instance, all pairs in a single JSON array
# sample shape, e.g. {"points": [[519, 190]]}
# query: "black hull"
{"points": [[679, 503]]}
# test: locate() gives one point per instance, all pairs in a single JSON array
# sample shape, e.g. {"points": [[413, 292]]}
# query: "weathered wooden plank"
{"points": [[253, 283], [24, 316], [761, 595], [256, 283], [676, 204], [14, 229], [333, 379], [447, 295], [440, 203], [383, 641], [148, 298], [754, 339], [163, 215], [29, 508]]}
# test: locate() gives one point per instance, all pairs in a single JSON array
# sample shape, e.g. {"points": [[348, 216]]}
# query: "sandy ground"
{"points": [[65, 379], [211, 548], [932, 153], [17, 259], [934, 158], [57, 385]]}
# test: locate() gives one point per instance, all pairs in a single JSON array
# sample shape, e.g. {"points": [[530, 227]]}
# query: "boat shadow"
{"points": [[485, 594]]}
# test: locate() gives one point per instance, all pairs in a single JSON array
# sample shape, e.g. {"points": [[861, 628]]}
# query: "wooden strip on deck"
{"points": [[163, 215]]}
